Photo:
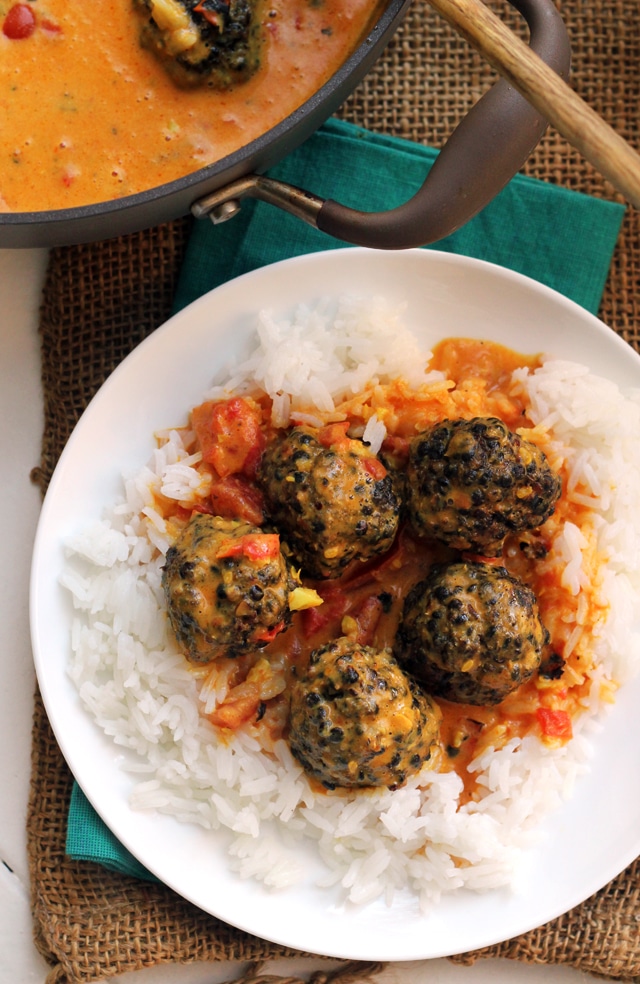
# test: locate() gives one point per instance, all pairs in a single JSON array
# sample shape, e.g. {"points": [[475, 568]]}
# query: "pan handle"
{"points": [[482, 154]]}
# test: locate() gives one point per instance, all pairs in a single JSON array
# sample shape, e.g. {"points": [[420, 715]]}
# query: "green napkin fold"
{"points": [[559, 237], [89, 839]]}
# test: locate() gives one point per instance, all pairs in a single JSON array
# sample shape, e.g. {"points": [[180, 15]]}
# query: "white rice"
{"points": [[323, 355], [137, 686]]}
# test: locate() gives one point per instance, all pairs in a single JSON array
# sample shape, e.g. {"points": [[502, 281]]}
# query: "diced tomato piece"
{"points": [[554, 724], [374, 468], [367, 618], [331, 611], [19, 23], [397, 448], [234, 497], [203, 507], [268, 635], [333, 434], [254, 546], [230, 436]]}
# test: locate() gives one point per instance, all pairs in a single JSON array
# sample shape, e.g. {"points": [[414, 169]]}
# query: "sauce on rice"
{"points": [[366, 601]]}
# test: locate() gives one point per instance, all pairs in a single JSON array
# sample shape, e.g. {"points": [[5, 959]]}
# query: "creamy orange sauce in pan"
{"points": [[88, 115]]}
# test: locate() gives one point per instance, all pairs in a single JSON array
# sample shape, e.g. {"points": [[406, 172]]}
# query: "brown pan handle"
{"points": [[482, 154]]}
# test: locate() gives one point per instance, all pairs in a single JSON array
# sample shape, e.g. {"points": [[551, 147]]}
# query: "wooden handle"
{"points": [[571, 116]]}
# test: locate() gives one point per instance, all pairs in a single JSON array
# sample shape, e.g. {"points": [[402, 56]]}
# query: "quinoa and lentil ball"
{"points": [[226, 586], [332, 504], [202, 42], [472, 482], [471, 632], [358, 720]]}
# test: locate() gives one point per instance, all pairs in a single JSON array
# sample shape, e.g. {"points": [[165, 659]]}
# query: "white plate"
{"points": [[589, 841]]}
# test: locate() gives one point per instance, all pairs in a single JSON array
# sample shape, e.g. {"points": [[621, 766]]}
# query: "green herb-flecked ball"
{"points": [[471, 632], [358, 720], [220, 600], [329, 503], [472, 482]]}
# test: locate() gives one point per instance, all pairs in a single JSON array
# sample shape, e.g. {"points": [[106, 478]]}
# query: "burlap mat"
{"points": [[100, 300]]}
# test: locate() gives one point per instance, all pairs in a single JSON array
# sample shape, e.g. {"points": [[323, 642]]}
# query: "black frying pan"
{"points": [[482, 154]]}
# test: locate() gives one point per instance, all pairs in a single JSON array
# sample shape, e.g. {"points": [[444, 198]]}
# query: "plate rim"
{"points": [[156, 338]]}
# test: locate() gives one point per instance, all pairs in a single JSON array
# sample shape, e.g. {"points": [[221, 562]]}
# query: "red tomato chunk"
{"points": [[234, 497], [229, 435], [19, 23], [554, 724], [254, 546]]}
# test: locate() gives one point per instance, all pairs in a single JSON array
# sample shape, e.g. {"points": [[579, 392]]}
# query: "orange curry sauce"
{"points": [[88, 115], [366, 601]]}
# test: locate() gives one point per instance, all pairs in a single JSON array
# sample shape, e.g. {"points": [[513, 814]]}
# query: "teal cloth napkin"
{"points": [[561, 238], [89, 839]]}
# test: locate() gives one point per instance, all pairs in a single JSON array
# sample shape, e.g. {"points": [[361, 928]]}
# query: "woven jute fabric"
{"points": [[100, 300]]}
